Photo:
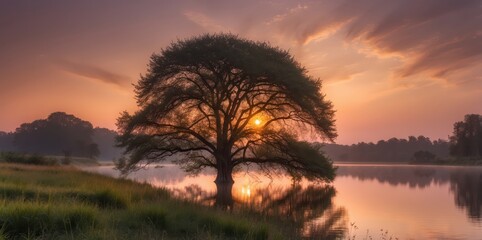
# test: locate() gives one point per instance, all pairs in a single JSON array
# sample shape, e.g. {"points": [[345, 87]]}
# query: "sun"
{"points": [[257, 122]]}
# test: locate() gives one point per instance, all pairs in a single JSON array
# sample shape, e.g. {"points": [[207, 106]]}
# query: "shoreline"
{"points": [[437, 163], [38, 201]]}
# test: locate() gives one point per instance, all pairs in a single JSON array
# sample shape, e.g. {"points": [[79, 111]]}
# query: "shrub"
{"points": [[12, 157]]}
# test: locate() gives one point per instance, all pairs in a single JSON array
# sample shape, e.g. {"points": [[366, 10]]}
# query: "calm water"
{"points": [[403, 201]]}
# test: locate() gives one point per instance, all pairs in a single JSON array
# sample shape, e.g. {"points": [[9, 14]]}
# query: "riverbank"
{"points": [[58, 202]]}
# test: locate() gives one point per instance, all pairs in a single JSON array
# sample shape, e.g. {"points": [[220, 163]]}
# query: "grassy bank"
{"points": [[54, 202]]}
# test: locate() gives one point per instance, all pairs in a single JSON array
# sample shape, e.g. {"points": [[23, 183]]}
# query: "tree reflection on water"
{"points": [[312, 209], [467, 189], [308, 209], [465, 182]]}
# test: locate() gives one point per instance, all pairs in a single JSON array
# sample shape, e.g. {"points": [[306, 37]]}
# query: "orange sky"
{"points": [[391, 68]]}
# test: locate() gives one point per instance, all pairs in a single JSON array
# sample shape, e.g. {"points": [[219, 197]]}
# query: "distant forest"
{"points": [[465, 144], [391, 150], [62, 134]]}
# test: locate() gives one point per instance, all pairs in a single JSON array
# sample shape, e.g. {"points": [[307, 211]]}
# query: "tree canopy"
{"points": [[221, 101], [59, 134]]}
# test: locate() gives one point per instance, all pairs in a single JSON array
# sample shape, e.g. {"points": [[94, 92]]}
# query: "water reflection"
{"points": [[412, 202], [467, 189], [465, 182], [308, 208], [412, 176]]}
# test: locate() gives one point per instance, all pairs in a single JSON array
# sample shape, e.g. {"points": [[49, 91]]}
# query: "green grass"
{"points": [[34, 219], [55, 202]]}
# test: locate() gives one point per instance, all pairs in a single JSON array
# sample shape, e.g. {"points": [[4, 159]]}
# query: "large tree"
{"points": [[220, 101]]}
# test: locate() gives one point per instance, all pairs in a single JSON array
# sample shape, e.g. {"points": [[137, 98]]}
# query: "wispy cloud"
{"points": [[306, 23], [203, 21], [437, 38], [291, 11], [93, 73]]}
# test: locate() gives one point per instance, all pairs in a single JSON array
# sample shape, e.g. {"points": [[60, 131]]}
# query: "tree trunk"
{"points": [[225, 170], [224, 196]]}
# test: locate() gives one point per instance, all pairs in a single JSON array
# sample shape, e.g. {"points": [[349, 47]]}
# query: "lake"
{"points": [[365, 200]]}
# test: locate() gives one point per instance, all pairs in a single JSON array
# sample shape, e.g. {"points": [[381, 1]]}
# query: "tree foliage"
{"points": [[60, 133], [222, 102], [466, 140]]}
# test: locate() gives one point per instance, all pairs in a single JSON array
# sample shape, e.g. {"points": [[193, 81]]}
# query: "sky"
{"points": [[391, 68]]}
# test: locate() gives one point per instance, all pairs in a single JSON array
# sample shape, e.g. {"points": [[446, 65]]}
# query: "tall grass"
{"points": [[34, 219], [54, 202]]}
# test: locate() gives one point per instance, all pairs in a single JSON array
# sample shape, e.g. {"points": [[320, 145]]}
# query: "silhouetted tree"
{"points": [[57, 134], [466, 140], [220, 101]]}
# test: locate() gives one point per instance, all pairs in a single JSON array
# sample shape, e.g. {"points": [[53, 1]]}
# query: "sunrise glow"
{"points": [[215, 119], [257, 122], [379, 71]]}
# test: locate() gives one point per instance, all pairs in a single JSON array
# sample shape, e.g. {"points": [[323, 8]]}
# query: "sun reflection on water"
{"points": [[246, 191]]}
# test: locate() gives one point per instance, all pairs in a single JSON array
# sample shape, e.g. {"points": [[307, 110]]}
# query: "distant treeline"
{"points": [[61, 134], [66, 135], [391, 150], [465, 146]]}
